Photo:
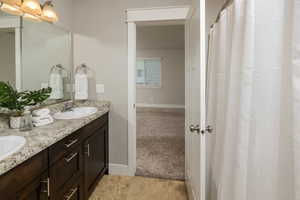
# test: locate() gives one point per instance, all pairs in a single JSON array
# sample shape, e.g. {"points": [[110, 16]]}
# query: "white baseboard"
{"points": [[145, 105], [119, 169]]}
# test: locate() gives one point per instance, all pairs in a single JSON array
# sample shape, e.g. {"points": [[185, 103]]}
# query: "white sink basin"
{"points": [[76, 113], [10, 145]]}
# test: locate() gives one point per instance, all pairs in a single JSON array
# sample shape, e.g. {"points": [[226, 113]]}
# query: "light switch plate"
{"points": [[99, 88]]}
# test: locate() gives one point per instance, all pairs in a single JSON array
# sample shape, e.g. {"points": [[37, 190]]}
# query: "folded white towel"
{"points": [[81, 86], [43, 123], [56, 83], [42, 119], [41, 112]]}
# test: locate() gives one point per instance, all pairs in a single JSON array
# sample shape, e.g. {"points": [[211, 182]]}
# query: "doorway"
{"points": [[193, 19], [160, 101]]}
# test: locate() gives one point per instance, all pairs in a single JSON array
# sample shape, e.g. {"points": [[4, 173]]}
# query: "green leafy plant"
{"points": [[16, 101]]}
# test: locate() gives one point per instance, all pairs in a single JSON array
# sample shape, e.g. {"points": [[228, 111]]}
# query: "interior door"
{"points": [[195, 104]]}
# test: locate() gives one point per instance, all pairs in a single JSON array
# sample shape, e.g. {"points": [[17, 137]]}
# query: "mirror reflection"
{"points": [[35, 55]]}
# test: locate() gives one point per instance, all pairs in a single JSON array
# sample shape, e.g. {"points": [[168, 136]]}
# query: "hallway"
{"points": [[160, 143]]}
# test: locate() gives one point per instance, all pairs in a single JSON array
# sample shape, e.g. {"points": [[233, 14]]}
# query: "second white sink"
{"points": [[10, 145], [76, 113]]}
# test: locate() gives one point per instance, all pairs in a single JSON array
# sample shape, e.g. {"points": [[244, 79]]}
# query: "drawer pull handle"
{"points": [[47, 182], [71, 143], [72, 193], [71, 157]]}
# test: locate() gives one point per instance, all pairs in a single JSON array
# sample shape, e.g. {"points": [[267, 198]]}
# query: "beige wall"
{"points": [[7, 57], [160, 37], [100, 41], [166, 42], [64, 9]]}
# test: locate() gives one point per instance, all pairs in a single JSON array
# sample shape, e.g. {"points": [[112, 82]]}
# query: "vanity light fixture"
{"points": [[48, 13], [30, 9], [11, 6]]}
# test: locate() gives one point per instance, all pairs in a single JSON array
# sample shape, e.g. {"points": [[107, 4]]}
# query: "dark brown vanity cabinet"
{"points": [[95, 158], [27, 181], [68, 170]]}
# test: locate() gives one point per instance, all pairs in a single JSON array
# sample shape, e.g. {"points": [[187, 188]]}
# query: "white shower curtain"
{"points": [[254, 101]]}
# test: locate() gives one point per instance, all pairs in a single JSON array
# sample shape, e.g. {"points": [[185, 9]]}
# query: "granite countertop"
{"points": [[41, 138]]}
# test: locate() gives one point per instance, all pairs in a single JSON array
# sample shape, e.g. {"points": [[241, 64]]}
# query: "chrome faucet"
{"points": [[68, 106]]}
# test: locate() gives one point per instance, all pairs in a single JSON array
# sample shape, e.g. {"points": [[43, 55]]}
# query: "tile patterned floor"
{"points": [[138, 188], [160, 144]]}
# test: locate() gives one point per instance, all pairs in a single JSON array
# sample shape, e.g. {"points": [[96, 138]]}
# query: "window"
{"points": [[148, 72]]}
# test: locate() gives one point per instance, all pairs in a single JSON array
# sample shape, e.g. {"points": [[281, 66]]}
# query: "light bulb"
{"points": [[32, 7], [48, 13]]}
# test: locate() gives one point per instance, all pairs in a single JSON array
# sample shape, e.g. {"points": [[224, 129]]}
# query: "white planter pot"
{"points": [[16, 122]]}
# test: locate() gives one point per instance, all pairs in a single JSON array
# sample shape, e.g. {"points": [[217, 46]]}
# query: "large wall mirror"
{"points": [[35, 55]]}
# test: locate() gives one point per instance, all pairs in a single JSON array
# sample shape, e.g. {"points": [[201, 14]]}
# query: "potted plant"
{"points": [[16, 102]]}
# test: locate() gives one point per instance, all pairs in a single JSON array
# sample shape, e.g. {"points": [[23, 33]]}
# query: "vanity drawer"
{"points": [[73, 190], [66, 168], [63, 147]]}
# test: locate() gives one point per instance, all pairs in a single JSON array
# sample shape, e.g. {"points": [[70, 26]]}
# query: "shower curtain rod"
{"points": [[225, 5]]}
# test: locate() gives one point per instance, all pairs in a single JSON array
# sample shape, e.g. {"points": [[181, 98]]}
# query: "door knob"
{"points": [[195, 128], [209, 129]]}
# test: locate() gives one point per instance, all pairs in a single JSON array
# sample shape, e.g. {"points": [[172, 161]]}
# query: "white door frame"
{"points": [[203, 93], [163, 15]]}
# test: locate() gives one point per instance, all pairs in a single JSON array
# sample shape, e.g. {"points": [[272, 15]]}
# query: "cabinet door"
{"points": [[95, 159], [37, 190]]}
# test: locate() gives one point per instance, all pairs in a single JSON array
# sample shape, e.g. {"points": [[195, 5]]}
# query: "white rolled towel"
{"points": [[40, 119], [56, 83], [81, 86], [43, 123], [41, 112]]}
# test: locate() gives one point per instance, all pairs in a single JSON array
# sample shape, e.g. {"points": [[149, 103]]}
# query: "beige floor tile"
{"points": [[138, 188], [111, 188], [147, 189], [177, 190]]}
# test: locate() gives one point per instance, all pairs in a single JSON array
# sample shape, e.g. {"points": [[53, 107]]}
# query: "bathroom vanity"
{"points": [[68, 166]]}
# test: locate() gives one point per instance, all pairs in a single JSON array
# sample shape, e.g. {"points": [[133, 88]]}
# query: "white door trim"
{"points": [[158, 14], [131, 98], [18, 58], [134, 16], [203, 94]]}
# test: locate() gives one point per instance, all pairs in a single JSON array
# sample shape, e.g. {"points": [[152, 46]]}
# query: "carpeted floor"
{"points": [[138, 188], [160, 144]]}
